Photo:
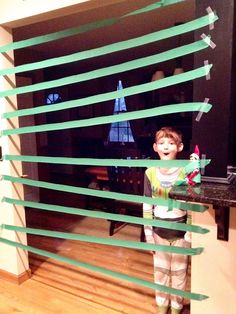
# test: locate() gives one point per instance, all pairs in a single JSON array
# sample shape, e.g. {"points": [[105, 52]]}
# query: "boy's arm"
{"points": [[148, 211]]}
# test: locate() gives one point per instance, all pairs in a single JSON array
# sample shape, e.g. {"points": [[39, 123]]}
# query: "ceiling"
{"points": [[130, 26], [126, 28]]}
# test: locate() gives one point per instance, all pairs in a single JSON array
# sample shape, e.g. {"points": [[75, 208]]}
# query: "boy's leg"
{"points": [[179, 266], [162, 274]]}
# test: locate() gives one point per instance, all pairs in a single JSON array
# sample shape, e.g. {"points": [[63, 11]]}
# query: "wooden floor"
{"points": [[56, 287]]}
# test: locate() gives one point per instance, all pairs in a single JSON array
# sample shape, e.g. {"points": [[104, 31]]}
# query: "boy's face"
{"points": [[167, 148]]}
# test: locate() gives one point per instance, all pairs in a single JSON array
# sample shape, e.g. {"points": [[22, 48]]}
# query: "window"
{"points": [[120, 131], [53, 98]]}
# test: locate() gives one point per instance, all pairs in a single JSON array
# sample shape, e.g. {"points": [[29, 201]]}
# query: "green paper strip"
{"points": [[107, 194], [128, 116], [92, 239], [76, 78], [177, 30], [107, 216], [168, 81], [191, 167], [78, 56], [57, 35], [101, 51], [154, 6], [77, 30], [109, 162], [122, 67], [105, 271]]}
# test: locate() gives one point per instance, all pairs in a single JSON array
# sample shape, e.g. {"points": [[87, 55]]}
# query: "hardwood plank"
{"points": [[56, 287]]}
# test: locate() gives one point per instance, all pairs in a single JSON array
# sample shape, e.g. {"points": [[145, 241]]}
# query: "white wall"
{"points": [[23, 12], [213, 272], [18, 13], [11, 260], [13, 10]]}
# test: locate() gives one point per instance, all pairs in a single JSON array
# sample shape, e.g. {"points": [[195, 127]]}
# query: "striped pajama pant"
{"points": [[170, 270]]}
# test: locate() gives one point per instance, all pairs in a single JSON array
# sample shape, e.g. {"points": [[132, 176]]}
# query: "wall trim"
{"points": [[16, 279]]}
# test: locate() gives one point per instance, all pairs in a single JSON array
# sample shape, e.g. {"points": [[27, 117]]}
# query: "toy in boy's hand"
{"points": [[192, 170], [194, 175]]}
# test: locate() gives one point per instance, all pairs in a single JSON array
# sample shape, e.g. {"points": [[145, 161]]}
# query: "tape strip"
{"points": [[105, 271], [211, 17], [106, 241], [206, 64], [200, 113], [208, 41]]}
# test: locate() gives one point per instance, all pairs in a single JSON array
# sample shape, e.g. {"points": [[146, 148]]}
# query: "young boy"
{"points": [[169, 269]]}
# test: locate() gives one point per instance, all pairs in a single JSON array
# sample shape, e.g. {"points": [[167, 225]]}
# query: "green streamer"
{"points": [[154, 6], [107, 194], [109, 162], [87, 76], [105, 271], [174, 79], [57, 35], [109, 216], [185, 107], [78, 56], [92, 239], [123, 67], [168, 81], [177, 30]]}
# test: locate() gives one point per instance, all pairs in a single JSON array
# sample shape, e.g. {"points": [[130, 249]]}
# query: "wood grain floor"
{"points": [[56, 287]]}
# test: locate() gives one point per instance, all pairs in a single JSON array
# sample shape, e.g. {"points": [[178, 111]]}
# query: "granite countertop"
{"points": [[219, 195]]}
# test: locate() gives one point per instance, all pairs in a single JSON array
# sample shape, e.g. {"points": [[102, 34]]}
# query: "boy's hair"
{"points": [[169, 132]]}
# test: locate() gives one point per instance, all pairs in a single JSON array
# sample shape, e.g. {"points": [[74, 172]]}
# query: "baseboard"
{"points": [[17, 279]]}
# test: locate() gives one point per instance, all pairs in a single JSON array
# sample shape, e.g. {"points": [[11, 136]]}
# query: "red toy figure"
{"points": [[194, 176]]}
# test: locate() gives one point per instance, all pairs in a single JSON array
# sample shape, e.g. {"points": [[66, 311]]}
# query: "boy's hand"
{"points": [[188, 237]]}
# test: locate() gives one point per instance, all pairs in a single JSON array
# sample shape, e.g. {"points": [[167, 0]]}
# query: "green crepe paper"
{"points": [[123, 67], [109, 162], [190, 167], [174, 79], [154, 6], [104, 50], [108, 194], [86, 191], [108, 216], [93, 239], [201, 22], [57, 35], [168, 81], [139, 41], [77, 30], [184, 107], [106, 272], [87, 76]]}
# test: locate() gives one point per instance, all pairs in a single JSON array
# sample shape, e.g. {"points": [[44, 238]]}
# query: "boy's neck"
{"points": [[168, 170]]}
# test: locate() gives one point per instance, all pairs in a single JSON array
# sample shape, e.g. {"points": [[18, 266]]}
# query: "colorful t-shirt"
{"points": [[158, 184]]}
